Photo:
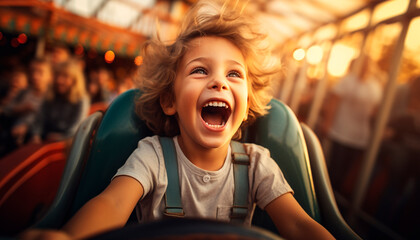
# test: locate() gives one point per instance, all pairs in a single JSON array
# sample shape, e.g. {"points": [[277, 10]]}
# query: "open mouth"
{"points": [[215, 113]]}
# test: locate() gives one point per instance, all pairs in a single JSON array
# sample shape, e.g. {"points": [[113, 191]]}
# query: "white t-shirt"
{"points": [[351, 124], [204, 194]]}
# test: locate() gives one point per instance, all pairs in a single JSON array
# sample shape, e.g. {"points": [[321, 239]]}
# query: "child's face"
{"points": [[211, 93]]}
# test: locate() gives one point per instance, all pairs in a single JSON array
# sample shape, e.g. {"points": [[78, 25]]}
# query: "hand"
{"points": [[34, 234]]}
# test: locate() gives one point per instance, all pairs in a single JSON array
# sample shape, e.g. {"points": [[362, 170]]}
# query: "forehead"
{"points": [[216, 48]]}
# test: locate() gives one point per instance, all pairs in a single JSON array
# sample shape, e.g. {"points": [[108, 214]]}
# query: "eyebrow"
{"points": [[203, 59]]}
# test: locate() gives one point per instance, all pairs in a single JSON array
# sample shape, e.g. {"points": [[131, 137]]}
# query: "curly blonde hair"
{"points": [[161, 62]]}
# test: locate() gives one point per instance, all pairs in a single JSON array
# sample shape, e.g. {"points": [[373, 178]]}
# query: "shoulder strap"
{"points": [[240, 161], [173, 205]]}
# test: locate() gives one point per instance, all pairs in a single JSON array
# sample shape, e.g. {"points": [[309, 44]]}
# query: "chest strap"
{"points": [[173, 205], [240, 159]]}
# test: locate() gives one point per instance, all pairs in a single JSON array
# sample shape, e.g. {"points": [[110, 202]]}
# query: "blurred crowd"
{"points": [[47, 99], [346, 128]]}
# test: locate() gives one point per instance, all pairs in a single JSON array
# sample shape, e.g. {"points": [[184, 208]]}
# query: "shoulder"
{"points": [[147, 154], [259, 156], [150, 144], [148, 151], [144, 164], [253, 150]]}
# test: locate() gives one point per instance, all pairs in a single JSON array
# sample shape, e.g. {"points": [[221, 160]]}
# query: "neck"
{"points": [[210, 159]]}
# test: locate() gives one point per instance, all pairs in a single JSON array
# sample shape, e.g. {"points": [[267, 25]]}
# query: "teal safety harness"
{"points": [[240, 159]]}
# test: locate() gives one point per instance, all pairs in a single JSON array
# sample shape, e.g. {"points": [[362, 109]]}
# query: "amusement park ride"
{"points": [[43, 185]]}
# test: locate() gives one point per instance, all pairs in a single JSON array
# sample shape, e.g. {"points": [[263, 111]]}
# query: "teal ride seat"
{"points": [[107, 145]]}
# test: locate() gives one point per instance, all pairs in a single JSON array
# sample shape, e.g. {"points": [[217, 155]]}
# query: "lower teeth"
{"points": [[215, 126]]}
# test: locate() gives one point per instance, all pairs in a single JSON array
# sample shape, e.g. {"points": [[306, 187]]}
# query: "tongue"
{"points": [[212, 118]]}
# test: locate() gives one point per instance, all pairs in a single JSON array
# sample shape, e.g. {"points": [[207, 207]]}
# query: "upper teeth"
{"points": [[216, 104]]}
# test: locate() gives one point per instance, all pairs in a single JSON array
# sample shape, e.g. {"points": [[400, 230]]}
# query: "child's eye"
{"points": [[234, 74], [199, 70]]}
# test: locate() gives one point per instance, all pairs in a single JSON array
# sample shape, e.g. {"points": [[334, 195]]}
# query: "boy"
{"points": [[200, 91], [27, 103]]}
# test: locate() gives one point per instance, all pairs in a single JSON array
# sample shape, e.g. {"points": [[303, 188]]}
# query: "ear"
{"points": [[167, 105]]}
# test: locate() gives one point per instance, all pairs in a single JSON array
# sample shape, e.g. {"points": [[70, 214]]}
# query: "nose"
{"points": [[218, 83]]}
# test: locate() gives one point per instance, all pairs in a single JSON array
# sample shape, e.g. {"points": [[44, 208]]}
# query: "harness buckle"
{"points": [[238, 212], [240, 158], [174, 212]]}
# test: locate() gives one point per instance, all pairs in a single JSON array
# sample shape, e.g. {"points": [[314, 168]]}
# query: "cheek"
{"points": [[187, 93], [244, 95], [241, 99]]}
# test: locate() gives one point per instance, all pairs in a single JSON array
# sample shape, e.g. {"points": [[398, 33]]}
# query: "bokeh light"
{"points": [[340, 58], [412, 42], [22, 38], [299, 54], [138, 60], [314, 54], [109, 56]]}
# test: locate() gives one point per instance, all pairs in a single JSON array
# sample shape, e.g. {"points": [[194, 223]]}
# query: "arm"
{"points": [[110, 209], [291, 220]]}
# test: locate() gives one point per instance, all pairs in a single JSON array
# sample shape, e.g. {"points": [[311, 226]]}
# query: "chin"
{"points": [[215, 141]]}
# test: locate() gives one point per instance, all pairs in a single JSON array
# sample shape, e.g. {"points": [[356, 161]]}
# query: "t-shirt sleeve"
{"points": [[268, 180], [142, 165]]}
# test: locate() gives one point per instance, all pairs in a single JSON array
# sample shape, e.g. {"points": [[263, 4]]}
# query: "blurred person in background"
{"points": [[17, 81], [59, 54], [399, 155], [21, 111], [99, 85], [348, 117], [93, 87], [64, 107]]}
